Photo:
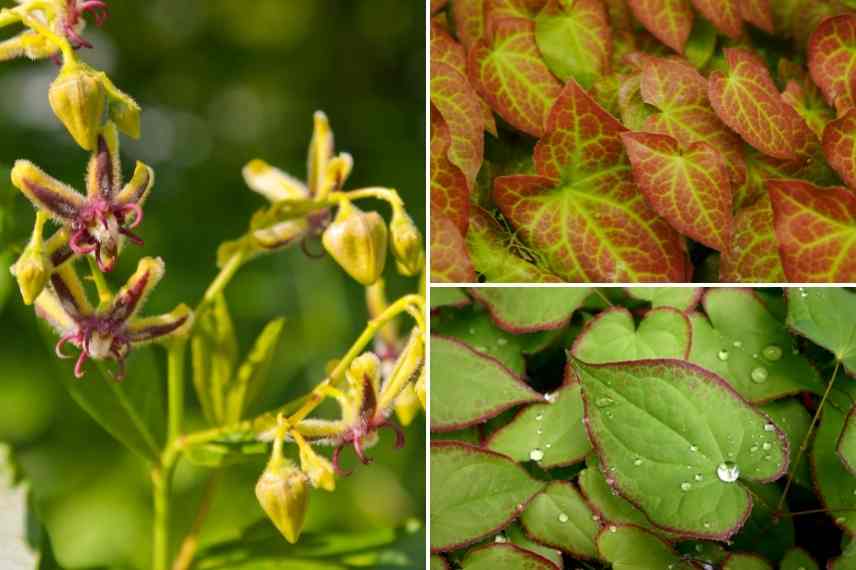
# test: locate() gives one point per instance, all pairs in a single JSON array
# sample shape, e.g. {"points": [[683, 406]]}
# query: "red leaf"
{"points": [[690, 188], [525, 9], [724, 14], [832, 59], [758, 13], [450, 262], [839, 146], [459, 104], [671, 21], [437, 5], [510, 74], [754, 253], [747, 101], [816, 231], [469, 20], [449, 192]]}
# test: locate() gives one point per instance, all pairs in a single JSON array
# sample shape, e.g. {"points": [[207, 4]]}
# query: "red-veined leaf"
{"points": [[437, 5], [754, 253], [575, 39], [582, 211], [450, 262], [449, 192], [758, 13], [746, 99], [524, 9], [816, 229], [724, 14], [469, 20], [832, 59], [804, 96], [511, 76], [459, 104], [671, 21], [839, 146], [690, 187]]}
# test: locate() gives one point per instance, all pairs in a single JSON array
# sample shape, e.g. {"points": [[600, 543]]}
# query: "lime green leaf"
{"points": [[254, 372], [660, 425], [743, 561], [474, 493], [847, 443], [681, 298], [608, 504], [793, 419], [468, 387], [826, 316], [559, 517], [631, 548], [516, 536], [551, 434], [520, 310], [612, 336], [798, 559], [835, 485], [448, 297], [493, 556], [214, 350]]}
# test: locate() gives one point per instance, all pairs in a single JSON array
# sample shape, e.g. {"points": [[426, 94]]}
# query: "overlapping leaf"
{"points": [[832, 59], [450, 262], [847, 442], [609, 505], [827, 317], [725, 15], [742, 561], [835, 484], [517, 311], [449, 191], [758, 13], [816, 230], [493, 556], [681, 298], [689, 187], [797, 558], [839, 146], [560, 517], [670, 21], [804, 97], [469, 18], [754, 253], [632, 548], [582, 211]]}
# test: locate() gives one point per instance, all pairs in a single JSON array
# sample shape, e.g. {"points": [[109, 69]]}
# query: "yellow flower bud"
{"points": [[407, 405], [318, 468], [365, 366], [78, 99], [406, 244], [282, 493], [357, 241], [32, 271]]}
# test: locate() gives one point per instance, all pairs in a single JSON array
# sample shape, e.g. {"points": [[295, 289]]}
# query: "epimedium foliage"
{"points": [[379, 376], [643, 428], [643, 140]]}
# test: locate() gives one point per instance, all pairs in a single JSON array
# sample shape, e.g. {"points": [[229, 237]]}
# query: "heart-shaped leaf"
{"points": [[834, 483], [689, 187], [612, 336], [683, 299], [510, 74], [559, 517], [826, 317], [632, 548], [798, 559], [744, 343], [474, 493], [816, 231], [575, 39], [742, 561], [551, 434], [671, 21], [724, 14], [759, 13], [847, 443], [832, 57], [449, 191], [754, 253], [448, 297], [469, 387], [450, 262], [610, 507], [658, 425], [493, 556], [469, 18], [517, 311], [839, 146]]}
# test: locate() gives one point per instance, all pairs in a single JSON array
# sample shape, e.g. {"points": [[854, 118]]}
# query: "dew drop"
{"points": [[769, 427], [563, 518], [753, 449], [500, 539], [693, 448], [686, 486], [722, 354], [759, 375], [481, 348], [772, 353], [536, 454], [737, 343], [706, 524], [595, 518], [698, 477], [539, 431], [612, 528], [840, 520], [550, 397], [728, 472], [549, 445], [604, 402], [638, 462], [539, 417], [501, 341], [803, 292], [767, 446], [472, 331]]}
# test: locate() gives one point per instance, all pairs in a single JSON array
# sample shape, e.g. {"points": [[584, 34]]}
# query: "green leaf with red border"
{"points": [[847, 442], [754, 253], [633, 548], [450, 262], [449, 192], [689, 187], [509, 72], [575, 39], [671, 21], [494, 556], [582, 211], [832, 60], [816, 230], [559, 517], [746, 99], [516, 310], [744, 561], [839, 146], [724, 14], [835, 484]]}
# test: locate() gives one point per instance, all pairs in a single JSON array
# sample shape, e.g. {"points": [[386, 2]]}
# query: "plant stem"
{"points": [[160, 536], [175, 388], [191, 541], [105, 296], [226, 273]]}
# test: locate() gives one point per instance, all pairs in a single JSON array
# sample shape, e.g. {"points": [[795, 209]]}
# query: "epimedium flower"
{"points": [[65, 18], [113, 328], [99, 222]]}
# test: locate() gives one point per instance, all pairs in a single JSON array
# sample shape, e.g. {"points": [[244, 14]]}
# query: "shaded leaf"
{"points": [[754, 253], [724, 14], [743, 561], [516, 536], [559, 517], [847, 443], [517, 311], [493, 556], [631, 548], [793, 419], [835, 485], [608, 504], [798, 559], [670, 21], [681, 298]]}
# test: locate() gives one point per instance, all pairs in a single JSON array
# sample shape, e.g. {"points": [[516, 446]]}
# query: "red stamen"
{"points": [[81, 360], [399, 433], [131, 236], [135, 209], [336, 453], [358, 449], [76, 238]]}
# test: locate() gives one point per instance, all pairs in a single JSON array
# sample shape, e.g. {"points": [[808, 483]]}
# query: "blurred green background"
{"points": [[220, 82]]}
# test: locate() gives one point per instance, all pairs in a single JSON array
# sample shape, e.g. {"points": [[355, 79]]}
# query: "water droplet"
{"points": [[772, 353], [550, 397], [767, 446], [539, 417], [604, 402], [686, 486], [539, 431], [706, 524], [759, 375], [481, 348], [595, 518], [501, 341], [728, 472], [755, 356], [693, 448], [472, 331], [769, 427], [563, 518], [500, 539], [549, 445], [612, 528], [536, 454], [840, 520], [737, 343], [803, 293], [722, 354], [638, 462], [698, 477], [753, 449]]}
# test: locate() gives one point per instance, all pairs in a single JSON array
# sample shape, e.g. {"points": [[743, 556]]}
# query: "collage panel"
{"points": [[642, 428], [630, 141]]}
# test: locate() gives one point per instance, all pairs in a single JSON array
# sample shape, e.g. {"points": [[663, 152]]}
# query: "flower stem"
{"points": [[105, 296], [226, 273], [191, 542], [160, 536], [175, 388]]}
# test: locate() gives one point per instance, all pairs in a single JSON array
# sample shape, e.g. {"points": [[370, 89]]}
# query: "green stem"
{"points": [[175, 388], [105, 296], [226, 273], [160, 536]]}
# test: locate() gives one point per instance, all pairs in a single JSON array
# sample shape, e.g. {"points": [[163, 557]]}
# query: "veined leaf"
{"points": [[746, 99], [611, 507], [632, 548], [521, 9], [651, 420], [835, 485], [449, 189], [517, 537], [671, 21], [575, 40], [510, 74], [559, 517], [793, 419], [816, 231], [803, 95], [827, 317], [253, 373], [847, 443], [839, 146], [469, 20], [754, 253], [724, 14], [689, 187], [832, 59], [583, 211], [450, 262], [493, 556], [469, 387], [758, 13], [448, 297], [683, 299], [796, 559], [743, 561], [517, 311], [474, 493]]}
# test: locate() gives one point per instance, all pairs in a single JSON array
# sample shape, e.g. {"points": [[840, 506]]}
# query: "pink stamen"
{"points": [[105, 266], [134, 209], [75, 38], [399, 433], [76, 238], [358, 449], [62, 341], [97, 7], [336, 453], [81, 360]]}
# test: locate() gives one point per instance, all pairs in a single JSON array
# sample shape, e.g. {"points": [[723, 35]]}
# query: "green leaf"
{"points": [[448, 296], [631, 548], [766, 533], [746, 562], [551, 434], [847, 443], [517, 537], [493, 556], [798, 559], [826, 316], [609, 505], [675, 438], [835, 485], [469, 387], [682, 298], [254, 372], [474, 493], [793, 419], [439, 563], [214, 349], [519, 310], [559, 517], [612, 336], [701, 44], [238, 449], [749, 347]]}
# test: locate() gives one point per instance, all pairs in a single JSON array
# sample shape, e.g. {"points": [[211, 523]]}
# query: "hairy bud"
{"points": [[318, 468], [406, 244], [32, 271], [79, 100], [282, 493], [357, 241]]}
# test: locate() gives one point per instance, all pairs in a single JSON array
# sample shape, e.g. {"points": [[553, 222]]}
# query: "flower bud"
{"points": [[407, 367], [125, 112], [407, 405], [78, 99], [318, 468], [357, 241], [282, 493], [406, 244], [364, 367], [32, 271]]}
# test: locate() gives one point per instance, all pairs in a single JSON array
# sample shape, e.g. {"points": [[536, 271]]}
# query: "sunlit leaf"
{"points": [[826, 317], [631, 548], [559, 517], [832, 57], [742, 561], [517, 311], [670, 21]]}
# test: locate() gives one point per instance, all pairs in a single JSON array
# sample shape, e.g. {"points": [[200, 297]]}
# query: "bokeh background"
{"points": [[220, 82]]}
